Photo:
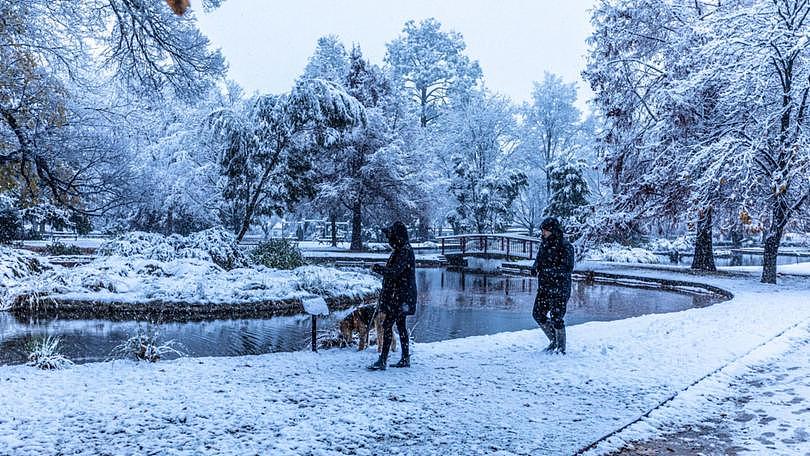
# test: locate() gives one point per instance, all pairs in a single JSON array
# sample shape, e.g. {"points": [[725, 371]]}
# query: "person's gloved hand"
{"points": [[533, 271], [376, 268]]}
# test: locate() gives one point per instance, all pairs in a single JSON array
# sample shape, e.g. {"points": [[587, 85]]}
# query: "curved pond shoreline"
{"points": [[168, 311]]}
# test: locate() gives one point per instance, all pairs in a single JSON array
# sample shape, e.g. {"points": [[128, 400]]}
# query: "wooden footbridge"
{"points": [[490, 245]]}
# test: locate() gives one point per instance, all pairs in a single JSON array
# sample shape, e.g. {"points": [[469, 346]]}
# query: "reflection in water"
{"points": [[451, 305], [492, 304]]}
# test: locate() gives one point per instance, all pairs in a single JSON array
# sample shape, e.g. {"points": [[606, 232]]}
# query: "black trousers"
{"points": [[388, 333], [549, 309]]}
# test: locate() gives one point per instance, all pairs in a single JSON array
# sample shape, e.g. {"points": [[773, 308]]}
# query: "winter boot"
{"points": [[549, 331], [559, 336], [379, 365], [404, 362]]}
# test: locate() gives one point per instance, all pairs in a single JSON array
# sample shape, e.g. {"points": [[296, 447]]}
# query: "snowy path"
{"points": [[758, 404], [480, 395]]}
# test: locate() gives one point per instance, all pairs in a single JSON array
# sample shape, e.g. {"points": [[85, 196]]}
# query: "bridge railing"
{"points": [[503, 244]]}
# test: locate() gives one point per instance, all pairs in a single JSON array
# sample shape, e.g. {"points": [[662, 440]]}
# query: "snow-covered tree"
{"points": [[481, 138], [569, 191], [706, 103], [367, 169], [551, 122], [267, 148], [759, 55], [550, 128], [431, 67], [61, 124], [652, 123], [329, 62]]}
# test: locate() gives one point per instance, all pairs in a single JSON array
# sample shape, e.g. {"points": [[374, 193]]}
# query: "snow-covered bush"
{"points": [[278, 254], [10, 225], [333, 282], [215, 244], [146, 346], [376, 247], [680, 244], [60, 249], [44, 354], [797, 239], [140, 244], [16, 266], [622, 254]]}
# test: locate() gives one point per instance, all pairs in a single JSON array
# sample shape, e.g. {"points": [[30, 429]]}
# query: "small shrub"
{"points": [[44, 354], [278, 254], [146, 347], [59, 249], [10, 226]]}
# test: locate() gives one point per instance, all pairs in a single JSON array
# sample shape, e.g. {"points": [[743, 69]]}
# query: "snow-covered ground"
{"points": [[480, 395], [757, 404]]}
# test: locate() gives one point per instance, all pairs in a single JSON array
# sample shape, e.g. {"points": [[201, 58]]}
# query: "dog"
{"points": [[361, 321]]}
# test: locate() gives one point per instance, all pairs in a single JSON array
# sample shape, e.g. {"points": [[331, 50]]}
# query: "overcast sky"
{"points": [[267, 42]]}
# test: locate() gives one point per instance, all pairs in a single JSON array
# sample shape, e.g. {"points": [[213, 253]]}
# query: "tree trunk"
{"points": [[333, 222], [704, 251], [423, 230], [357, 226], [773, 237], [423, 102]]}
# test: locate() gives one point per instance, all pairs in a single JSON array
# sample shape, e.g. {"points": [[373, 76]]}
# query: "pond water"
{"points": [[735, 259], [451, 305]]}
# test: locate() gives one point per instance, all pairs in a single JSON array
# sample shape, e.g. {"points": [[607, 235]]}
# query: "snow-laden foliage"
{"points": [[330, 61], [622, 254], [135, 279], [277, 254], [147, 346], [44, 354], [431, 68], [479, 146], [705, 106], [17, 265], [67, 69], [569, 193], [266, 148], [679, 244], [323, 281], [367, 170], [177, 187], [215, 244]]}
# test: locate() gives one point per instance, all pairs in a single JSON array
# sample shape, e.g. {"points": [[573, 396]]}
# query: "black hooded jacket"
{"points": [[399, 273], [554, 263]]}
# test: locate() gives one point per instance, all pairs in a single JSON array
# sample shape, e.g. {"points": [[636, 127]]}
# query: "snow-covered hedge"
{"points": [[622, 254], [188, 280], [215, 244]]}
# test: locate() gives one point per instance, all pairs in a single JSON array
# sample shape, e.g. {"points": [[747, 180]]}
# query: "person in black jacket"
{"points": [[553, 267], [398, 295]]}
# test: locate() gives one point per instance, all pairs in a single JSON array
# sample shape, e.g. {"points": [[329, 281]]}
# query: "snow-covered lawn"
{"points": [[480, 395]]}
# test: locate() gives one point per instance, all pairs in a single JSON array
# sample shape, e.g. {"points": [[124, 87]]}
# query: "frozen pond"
{"points": [[451, 305]]}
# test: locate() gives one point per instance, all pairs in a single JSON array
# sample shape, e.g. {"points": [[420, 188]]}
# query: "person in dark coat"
{"points": [[553, 267], [398, 295]]}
